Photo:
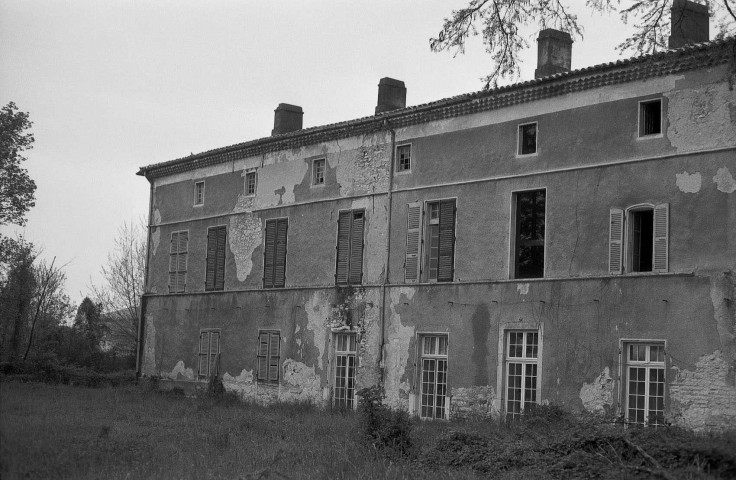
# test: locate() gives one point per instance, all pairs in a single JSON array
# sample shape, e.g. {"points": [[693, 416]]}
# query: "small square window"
{"points": [[403, 158], [199, 193], [527, 139], [650, 118], [318, 172], [250, 183]]}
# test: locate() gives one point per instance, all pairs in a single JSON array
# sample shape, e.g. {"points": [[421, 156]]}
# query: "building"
{"points": [[570, 239]]}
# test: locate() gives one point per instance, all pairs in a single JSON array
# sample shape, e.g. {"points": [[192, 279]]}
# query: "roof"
{"points": [[701, 55]]}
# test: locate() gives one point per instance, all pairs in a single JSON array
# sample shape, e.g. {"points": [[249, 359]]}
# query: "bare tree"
{"points": [[120, 294], [502, 22]]}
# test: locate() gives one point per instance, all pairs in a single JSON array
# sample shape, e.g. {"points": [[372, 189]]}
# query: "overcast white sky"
{"points": [[115, 85]]}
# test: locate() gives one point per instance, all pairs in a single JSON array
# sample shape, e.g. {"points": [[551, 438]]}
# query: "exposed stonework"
{"points": [[245, 237], [367, 171], [398, 339], [318, 310], [597, 396], [155, 231], [689, 183], [300, 383], [704, 399], [724, 180], [180, 372], [243, 384], [474, 403], [700, 118], [522, 288]]}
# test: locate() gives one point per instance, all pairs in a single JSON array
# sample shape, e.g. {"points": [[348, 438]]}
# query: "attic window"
{"points": [[650, 118], [527, 139]]}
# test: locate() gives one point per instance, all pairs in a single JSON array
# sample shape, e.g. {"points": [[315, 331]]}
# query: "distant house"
{"points": [[570, 239]]}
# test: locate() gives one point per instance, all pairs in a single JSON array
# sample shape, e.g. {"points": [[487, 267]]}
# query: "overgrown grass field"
{"points": [[59, 431]]}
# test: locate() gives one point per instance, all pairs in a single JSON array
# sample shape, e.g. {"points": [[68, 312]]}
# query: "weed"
{"points": [[382, 427]]}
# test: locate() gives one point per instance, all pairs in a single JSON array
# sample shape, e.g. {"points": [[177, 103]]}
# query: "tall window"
{"points": [[527, 139], [318, 172], [529, 234], [274, 253], [215, 272], [199, 193], [250, 183], [343, 395], [645, 383], [639, 239], [650, 118], [522, 359], [178, 261], [209, 353], [430, 255], [433, 386], [349, 264], [403, 158], [269, 346]]}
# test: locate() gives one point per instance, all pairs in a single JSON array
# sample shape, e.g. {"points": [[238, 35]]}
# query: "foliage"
{"points": [[382, 427], [16, 187], [502, 24]]}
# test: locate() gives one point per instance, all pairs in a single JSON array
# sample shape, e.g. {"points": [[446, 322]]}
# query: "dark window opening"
{"points": [[650, 118], [250, 183], [527, 139], [642, 240], [529, 252], [403, 158]]}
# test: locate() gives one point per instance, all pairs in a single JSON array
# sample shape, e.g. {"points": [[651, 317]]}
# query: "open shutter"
{"points": [[182, 260], [279, 277], [268, 254], [615, 241], [413, 242], [273, 358], [214, 352], [204, 345], [209, 278], [173, 262], [263, 356], [445, 265], [220, 268], [343, 248], [356, 249], [661, 237]]}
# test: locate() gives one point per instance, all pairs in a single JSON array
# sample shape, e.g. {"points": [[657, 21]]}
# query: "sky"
{"points": [[112, 86]]}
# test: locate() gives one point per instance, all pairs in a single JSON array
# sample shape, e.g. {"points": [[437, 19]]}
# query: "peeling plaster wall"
{"points": [[396, 350], [597, 396], [474, 403]]}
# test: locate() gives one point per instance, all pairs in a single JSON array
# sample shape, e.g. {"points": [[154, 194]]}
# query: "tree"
{"points": [[16, 296], [16, 187], [501, 23]]}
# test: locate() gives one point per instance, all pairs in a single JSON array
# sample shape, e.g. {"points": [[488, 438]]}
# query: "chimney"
{"points": [[690, 23], [554, 52], [391, 95], [287, 118]]}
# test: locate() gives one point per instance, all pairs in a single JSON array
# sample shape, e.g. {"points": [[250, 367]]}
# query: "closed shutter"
{"points": [[268, 254], [182, 260], [221, 245], [446, 259], [209, 278], [215, 272], [356, 249], [263, 356], [279, 279], [273, 358], [173, 262], [615, 242], [204, 347], [343, 248], [214, 352], [413, 242], [661, 237]]}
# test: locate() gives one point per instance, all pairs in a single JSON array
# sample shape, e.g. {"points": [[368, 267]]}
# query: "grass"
{"points": [[60, 431]]}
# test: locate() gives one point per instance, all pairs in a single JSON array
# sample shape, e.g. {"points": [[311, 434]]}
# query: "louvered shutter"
{"points": [[268, 254], [343, 248], [220, 268], [447, 241], [279, 277], [182, 260], [209, 283], [214, 351], [263, 356], [615, 241], [661, 237], [204, 341], [356, 248], [413, 242], [273, 358], [173, 262]]}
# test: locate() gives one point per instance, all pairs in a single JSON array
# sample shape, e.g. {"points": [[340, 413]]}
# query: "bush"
{"points": [[382, 427]]}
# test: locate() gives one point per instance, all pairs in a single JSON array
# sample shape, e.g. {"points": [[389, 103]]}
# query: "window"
{"points": [[343, 395], [209, 353], [430, 254], [529, 234], [178, 261], [274, 253], [403, 158], [215, 272], [349, 264], [268, 356], [433, 386], [650, 118], [250, 183], [318, 172], [199, 193], [645, 382], [522, 353], [527, 139], [641, 233]]}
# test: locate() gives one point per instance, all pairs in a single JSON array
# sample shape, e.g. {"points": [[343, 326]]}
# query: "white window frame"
{"points": [[397, 171], [437, 358], [512, 232], [268, 357], [625, 368], [350, 357], [314, 172], [640, 135], [519, 129], [198, 202], [210, 332], [254, 172], [524, 360]]}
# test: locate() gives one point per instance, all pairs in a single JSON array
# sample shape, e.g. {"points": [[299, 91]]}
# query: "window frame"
{"points": [[268, 358], [349, 402], [275, 253], [250, 173], [436, 357], [620, 246], [198, 195], [216, 274], [641, 123], [418, 235], [397, 169], [513, 233], [519, 139], [625, 366], [523, 360], [323, 162], [178, 254], [348, 280], [210, 333]]}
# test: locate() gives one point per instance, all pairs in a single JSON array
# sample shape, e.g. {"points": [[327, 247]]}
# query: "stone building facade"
{"points": [[567, 240]]}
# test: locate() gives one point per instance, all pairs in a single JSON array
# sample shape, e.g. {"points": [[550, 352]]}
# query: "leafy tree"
{"points": [[16, 296], [501, 22], [16, 187]]}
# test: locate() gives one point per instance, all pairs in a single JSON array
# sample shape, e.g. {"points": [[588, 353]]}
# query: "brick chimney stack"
{"points": [[690, 23], [287, 118], [391, 95], [554, 53]]}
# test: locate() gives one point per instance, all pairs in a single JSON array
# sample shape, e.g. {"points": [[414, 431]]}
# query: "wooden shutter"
{"points": [[262, 357], [273, 357], [445, 265], [413, 242], [214, 352], [615, 241], [173, 262], [182, 260], [209, 279], [279, 277], [220, 259], [204, 343], [661, 237], [356, 248], [268, 254], [343, 248]]}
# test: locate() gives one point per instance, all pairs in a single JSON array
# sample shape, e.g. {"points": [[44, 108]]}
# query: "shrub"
{"points": [[380, 426]]}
